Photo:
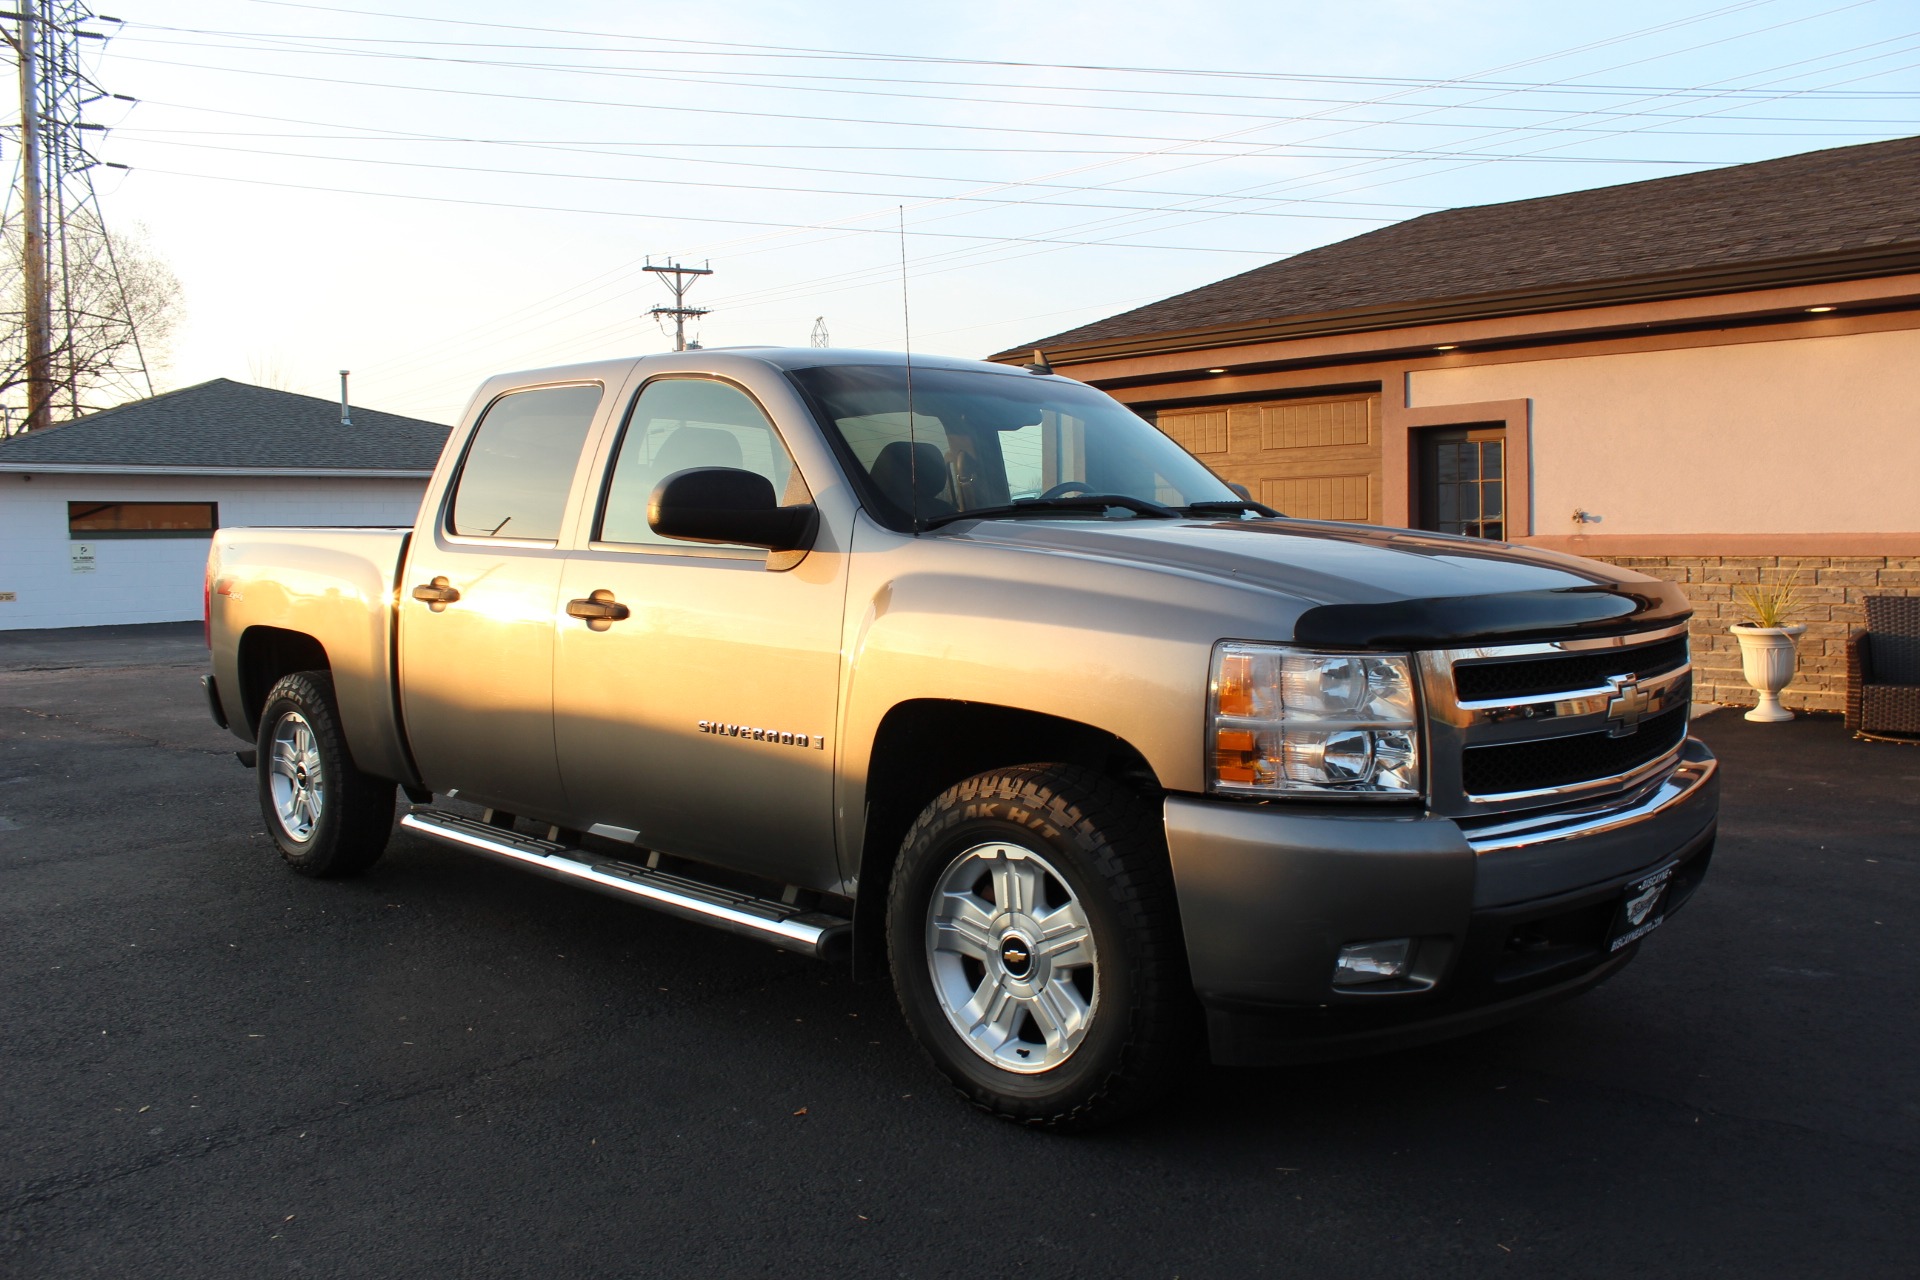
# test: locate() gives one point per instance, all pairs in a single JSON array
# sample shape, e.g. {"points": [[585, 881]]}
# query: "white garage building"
{"points": [[107, 519]]}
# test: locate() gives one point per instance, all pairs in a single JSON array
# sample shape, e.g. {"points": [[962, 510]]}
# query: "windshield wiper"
{"points": [[1046, 506], [1228, 506]]}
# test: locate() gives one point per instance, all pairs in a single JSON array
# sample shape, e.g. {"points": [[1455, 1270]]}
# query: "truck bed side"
{"points": [[284, 600]]}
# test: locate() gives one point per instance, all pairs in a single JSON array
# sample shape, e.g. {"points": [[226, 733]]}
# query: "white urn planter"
{"points": [[1767, 658]]}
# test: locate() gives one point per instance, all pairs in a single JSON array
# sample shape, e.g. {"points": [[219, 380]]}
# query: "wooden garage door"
{"points": [[1315, 458]]}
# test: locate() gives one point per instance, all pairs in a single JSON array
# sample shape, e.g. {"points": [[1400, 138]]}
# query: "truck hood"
{"points": [[1359, 585]]}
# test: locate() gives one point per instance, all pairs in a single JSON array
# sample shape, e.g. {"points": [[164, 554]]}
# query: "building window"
{"points": [[93, 521], [1463, 480]]}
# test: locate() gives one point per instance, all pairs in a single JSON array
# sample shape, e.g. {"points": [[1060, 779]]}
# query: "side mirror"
{"points": [[725, 504], [1245, 493]]}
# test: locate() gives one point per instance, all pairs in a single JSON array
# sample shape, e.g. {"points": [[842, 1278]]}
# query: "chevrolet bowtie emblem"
{"points": [[1628, 704]]}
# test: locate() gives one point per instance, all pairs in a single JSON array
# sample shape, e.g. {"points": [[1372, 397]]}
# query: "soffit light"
{"points": [[1818, 310], [1447, 346], [1216, 371]]}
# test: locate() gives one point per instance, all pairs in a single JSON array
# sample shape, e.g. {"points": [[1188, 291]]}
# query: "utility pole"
{"points": [[820, 338], [35, 286], [683, 280]]}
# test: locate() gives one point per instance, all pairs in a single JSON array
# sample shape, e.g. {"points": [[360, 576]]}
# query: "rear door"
{"points": [[477, 604], [701, 723]]}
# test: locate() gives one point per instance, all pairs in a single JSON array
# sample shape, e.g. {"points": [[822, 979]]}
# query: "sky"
{"points": [[431, 193]]}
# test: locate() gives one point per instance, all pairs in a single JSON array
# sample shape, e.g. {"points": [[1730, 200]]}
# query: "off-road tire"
{"points": [[355, 815], [1104, 842]]}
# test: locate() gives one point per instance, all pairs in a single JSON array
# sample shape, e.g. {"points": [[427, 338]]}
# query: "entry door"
{"points": [[476, 659], [702, 722]]}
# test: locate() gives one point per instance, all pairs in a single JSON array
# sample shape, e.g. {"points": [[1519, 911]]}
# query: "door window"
{"points": [[681, 423], [1463, 485], [519, 466]]}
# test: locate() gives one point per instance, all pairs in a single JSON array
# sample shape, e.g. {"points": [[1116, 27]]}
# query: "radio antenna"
{"points": [[906, 327]]}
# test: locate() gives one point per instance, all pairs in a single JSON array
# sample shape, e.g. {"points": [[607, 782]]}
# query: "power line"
{"points": [[760, 115], [284, 45], [672, 217], [742, 49], [1048, 202], [589, 149]]}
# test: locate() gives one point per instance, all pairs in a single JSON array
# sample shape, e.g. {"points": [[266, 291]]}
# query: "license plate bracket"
{"points": [[1642, 908]]}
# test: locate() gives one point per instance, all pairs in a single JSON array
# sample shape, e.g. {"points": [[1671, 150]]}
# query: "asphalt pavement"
{"points": [[210, 1067]]}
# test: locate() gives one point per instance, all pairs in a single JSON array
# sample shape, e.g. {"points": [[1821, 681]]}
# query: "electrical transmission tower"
{"points": [[820, 338], [683, 279], [77, 324]]}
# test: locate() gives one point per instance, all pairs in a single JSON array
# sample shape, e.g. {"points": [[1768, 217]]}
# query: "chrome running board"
{"points": [[813, 933]]}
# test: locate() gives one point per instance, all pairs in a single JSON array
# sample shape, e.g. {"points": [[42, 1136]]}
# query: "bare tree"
{"points": [[115, 307], [267, 369]]}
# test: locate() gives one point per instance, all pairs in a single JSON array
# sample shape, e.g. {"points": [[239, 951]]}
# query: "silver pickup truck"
{"points": [[967, 673]]}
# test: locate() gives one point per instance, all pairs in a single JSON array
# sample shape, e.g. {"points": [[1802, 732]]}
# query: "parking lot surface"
{"points": [[211, 1067]]}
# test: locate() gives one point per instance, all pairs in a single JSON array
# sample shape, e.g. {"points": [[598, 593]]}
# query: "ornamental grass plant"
{"points": [[1768, 604]]}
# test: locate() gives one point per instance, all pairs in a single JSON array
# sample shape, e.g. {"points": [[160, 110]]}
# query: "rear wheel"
{"points": [[327, 817], [1036, 948]]}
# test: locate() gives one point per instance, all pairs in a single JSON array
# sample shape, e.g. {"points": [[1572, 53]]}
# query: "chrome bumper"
{"points": [[1269, 893]]}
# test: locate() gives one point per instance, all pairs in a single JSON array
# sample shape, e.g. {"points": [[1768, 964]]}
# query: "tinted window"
{"points": [[518, 469], [681, 423], [980, 439]]}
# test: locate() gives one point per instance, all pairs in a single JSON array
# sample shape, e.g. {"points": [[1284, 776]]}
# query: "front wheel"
{"points": [[1036, 948], [327, 817]]}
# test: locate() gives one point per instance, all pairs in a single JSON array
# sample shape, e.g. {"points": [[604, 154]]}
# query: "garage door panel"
{"points": [[1199, 431], [1316, 424], [1328, 497], [1317, 457]]}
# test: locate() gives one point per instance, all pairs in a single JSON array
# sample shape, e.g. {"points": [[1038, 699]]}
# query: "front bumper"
{"points": [[1508, 915]]}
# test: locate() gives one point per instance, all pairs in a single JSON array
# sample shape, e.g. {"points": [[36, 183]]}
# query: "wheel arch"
{"points": [[265, 655], [925, 745]]}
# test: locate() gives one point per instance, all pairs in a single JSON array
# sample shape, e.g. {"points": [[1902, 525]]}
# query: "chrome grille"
{"points": [[1529, 725], [1507, 767], [1524, 677]]}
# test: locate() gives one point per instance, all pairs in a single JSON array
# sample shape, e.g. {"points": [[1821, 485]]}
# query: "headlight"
{"points": [[1290, 721]]}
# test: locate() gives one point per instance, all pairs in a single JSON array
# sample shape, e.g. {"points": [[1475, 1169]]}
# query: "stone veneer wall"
{"points": [[1831, 590]]}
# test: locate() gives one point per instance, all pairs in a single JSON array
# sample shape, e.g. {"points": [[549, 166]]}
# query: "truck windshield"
{"points": [[1002, 445]]}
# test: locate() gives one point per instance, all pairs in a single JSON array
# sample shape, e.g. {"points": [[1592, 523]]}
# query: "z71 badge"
{"points": [[751, 733]]}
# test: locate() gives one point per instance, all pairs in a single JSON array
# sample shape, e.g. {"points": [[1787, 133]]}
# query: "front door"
{"points": [[477, 606], [702, 723]]}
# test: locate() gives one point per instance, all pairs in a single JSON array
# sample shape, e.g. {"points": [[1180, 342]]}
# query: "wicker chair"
{"points": [[1883, 671]]}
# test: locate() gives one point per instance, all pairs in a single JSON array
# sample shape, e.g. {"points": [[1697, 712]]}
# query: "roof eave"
{"points": [[1822, 268]]}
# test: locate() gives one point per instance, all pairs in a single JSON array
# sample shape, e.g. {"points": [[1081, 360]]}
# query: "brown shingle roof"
{"points": [[1822, 202]]}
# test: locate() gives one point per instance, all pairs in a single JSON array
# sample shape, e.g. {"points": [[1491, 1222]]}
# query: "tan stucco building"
{"points": [[1713, 378]]}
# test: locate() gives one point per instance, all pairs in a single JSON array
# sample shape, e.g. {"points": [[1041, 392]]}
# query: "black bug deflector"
{"points": [[1521, 615]]}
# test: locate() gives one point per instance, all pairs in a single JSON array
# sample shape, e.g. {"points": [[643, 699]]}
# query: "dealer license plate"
{"points": [[1642, 908]]}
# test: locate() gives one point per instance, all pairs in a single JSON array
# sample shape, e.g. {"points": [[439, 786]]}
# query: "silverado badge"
{"points": [[752, 733]]}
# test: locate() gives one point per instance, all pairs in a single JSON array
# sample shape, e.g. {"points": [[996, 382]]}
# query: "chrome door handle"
{"points": [[600, 610], [437, 594]]}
